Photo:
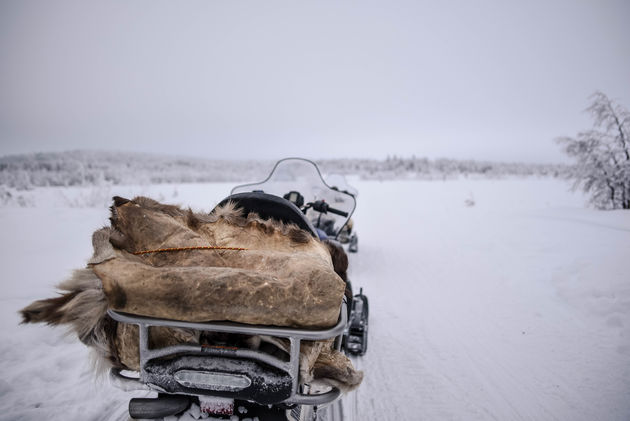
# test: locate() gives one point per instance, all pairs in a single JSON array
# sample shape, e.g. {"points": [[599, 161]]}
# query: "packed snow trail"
{"points": [[514, 309], [517, 308]]}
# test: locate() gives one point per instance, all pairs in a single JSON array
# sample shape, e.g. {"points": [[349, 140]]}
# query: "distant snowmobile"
{"points": [[347, 236]]}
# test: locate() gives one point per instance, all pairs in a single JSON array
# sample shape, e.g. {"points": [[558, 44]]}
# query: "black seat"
{"points": [[269, 206]]}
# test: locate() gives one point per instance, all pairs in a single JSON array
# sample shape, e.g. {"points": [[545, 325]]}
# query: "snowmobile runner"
{"points": [[355, 337], [227, 380]]}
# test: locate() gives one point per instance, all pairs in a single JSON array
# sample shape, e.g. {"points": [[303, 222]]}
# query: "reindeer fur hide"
{"points": [[285, 277]]}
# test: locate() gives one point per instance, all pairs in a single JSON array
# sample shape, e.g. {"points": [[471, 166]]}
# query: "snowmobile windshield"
{"points": [[339, 182], [299, 175]]}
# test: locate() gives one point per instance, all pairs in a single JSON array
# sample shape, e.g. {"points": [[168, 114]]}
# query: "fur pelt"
{"points": [[283, 276], [85, 297]]}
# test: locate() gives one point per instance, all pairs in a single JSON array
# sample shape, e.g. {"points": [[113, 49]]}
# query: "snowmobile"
{"points": [[229, 381], [347, 236]]}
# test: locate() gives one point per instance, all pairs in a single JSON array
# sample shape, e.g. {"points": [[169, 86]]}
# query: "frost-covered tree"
{"points": [[603, 155]]}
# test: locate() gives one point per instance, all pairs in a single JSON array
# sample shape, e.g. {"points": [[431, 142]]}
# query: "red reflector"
{"points": [[216, 406]]}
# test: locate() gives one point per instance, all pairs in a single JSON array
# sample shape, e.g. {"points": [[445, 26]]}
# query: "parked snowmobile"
{"points": [[347, 236], [232, 381]]}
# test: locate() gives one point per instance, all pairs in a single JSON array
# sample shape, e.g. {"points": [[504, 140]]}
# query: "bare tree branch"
{"points": [[603, 156]]}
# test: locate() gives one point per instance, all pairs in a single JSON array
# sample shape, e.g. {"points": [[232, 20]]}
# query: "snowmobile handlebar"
{"points": [[323, 207]]}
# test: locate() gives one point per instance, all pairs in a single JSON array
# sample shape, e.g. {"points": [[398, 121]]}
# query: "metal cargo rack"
{"points": [[287, 371]]}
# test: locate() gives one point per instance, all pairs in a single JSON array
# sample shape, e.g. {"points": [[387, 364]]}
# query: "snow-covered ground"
{"points": [[516, 308]]}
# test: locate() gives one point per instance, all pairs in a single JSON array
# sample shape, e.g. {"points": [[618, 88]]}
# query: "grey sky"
{"points": [[227, 79]]}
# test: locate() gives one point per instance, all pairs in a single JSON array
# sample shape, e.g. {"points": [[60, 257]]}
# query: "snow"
{"points": [[516, 308]]}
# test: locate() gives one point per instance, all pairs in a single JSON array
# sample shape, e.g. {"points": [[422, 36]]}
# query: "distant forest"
{"points": [[93, 168]]}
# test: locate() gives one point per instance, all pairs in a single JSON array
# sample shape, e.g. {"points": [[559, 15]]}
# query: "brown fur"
{"points": [[234, 215], [83, 307], [339, 258], [83, 304], [334, 368], [47, 311], [230, 213]]}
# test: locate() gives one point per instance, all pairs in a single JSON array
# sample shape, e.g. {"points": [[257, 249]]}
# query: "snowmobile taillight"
{"points": [[223, 382], [216, 406]]}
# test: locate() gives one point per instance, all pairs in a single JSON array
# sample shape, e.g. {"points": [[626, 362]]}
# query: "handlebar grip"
{"points": [[323, 207], [337, 212]]}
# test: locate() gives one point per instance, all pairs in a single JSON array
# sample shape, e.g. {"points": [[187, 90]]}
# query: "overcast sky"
{"points": [[265, 79]]}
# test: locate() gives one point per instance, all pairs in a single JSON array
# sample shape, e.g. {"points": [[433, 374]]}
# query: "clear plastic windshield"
{"points": [[339, 182], [303, 176]]}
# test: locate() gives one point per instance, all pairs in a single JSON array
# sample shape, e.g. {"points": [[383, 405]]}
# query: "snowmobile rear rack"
{"points": [[237, 373]]}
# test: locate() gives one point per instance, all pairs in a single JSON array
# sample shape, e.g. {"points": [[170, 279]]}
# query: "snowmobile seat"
{"points": [[271, 206]]}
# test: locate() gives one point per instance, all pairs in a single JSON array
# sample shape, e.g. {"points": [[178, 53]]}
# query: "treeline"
{"points": [[423, 168], [89, 168]]}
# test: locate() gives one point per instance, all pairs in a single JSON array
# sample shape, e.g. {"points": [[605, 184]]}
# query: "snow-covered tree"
{"points": [[603, 155]]}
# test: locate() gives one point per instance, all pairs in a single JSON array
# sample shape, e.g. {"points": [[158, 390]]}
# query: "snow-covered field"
{"points": [[516, 308]]}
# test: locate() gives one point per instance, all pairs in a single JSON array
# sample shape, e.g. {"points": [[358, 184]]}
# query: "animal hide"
{"points": [[283, 277]]}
